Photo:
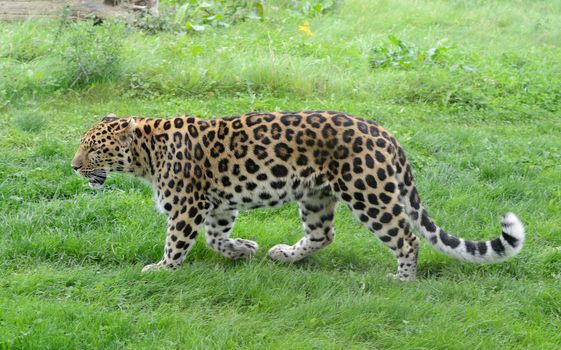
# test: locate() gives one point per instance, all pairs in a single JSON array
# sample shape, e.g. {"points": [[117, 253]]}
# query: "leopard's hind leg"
{"points": [[377, 205], [317, 213]]}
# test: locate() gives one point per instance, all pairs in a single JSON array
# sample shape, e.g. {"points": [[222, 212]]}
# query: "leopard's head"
{"points": [[105, 147]]}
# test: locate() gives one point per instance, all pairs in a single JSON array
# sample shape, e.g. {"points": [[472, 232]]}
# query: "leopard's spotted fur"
{"points": [[204, 171]]}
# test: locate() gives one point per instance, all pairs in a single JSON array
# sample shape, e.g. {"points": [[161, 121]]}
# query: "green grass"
{"points": [[483, 140]]}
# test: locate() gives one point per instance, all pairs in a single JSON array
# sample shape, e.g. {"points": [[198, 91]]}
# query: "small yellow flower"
{"points": [[305, 28]]}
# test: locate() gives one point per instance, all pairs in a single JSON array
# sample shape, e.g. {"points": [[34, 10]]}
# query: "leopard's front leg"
{"points": [[184, 221]]}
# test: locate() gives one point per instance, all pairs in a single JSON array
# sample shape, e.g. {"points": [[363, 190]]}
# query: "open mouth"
{"points": [[97, 178]]}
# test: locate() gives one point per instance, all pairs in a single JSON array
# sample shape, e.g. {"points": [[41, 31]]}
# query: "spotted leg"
{"points": [[183, 227], [219, 225], [383, 214], [317, 213]]}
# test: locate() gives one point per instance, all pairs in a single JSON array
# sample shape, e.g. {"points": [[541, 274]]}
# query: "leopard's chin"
{"points": [[95, 185]]}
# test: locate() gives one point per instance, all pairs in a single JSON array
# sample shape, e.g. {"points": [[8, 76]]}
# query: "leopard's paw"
{"points": [[281, 252], [397, 277], [242, 248], [155, 267]]}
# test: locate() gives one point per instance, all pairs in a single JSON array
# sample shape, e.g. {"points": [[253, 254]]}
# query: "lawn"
{"points": [[472, 89]]}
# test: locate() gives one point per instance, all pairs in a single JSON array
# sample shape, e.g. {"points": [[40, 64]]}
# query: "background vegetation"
{"points": [[470, 88]]}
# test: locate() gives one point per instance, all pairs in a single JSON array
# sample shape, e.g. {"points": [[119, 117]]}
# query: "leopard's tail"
{"points": [[507, 245]]}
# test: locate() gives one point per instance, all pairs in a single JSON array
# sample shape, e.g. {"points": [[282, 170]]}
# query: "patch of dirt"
{"points": [[14, 10]]}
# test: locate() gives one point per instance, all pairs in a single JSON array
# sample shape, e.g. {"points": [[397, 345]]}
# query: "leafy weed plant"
{"points": [[400, 54], [91, 53]]}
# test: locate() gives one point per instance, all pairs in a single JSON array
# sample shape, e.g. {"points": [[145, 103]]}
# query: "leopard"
{"points": [[204, 171]]}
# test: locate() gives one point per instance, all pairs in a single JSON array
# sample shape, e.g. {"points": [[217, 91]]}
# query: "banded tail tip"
{"points": [[513, 230]]}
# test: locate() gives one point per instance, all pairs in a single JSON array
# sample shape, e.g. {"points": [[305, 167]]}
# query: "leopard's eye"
{"points": [[93, 149]]}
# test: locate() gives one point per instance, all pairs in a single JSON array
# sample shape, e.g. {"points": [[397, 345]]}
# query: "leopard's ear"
{"points": [[111, 117], [126, 132]]}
